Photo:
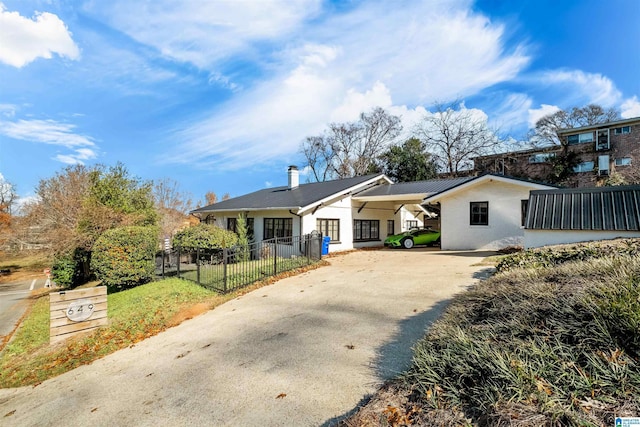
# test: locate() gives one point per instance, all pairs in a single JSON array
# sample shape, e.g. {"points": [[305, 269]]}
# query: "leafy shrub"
{"points": [[125, 257], [205, 236], [71, 269], [555, 255]]}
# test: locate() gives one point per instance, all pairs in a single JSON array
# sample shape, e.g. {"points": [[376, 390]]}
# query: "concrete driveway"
{"points": [[304, 351]]}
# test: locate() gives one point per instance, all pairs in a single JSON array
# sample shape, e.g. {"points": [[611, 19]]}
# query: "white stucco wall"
{"points": [[504, 227], [339, 209], [539, 238]]}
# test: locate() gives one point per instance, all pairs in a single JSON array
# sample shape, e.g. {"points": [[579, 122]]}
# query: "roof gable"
{"points": [[463, 186], [420, 188], [602, 208], [293, 198]]}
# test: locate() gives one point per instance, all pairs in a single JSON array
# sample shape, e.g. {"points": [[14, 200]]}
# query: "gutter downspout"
{"points": [[299, 221]]}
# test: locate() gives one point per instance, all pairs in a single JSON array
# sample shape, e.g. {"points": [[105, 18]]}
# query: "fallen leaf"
{"points": [[350, 346], [94, 409], [8, 414], [148, 375], [281, 396]]}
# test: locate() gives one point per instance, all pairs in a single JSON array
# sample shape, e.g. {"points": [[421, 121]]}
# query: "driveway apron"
{"points": [[304, 351]]}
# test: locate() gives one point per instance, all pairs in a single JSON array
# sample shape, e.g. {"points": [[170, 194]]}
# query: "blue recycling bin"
{"points": [[325, 245]]}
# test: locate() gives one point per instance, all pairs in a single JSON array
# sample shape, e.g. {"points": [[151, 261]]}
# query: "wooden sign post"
{"points": [[76, 311]]}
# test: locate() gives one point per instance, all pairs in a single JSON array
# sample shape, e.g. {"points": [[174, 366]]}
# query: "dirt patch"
{"points": [[189, 312]]}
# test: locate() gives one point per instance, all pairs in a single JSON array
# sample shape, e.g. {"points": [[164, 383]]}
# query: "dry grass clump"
{"points": [[530, 347]]}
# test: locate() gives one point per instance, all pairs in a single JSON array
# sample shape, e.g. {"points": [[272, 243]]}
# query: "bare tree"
{"points": [[172, 204], [210, 198], [351, 149], [7, 198], [58, 209], [546, 129], [455, 136]]}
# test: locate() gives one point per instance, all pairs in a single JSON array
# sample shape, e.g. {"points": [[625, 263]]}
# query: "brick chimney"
{"points": [[294, 180]]}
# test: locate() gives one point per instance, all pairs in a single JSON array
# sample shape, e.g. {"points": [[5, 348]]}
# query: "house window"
{"points": [[366, 229], [624, 161], [329, 227], [391, 225], [479, 213], [232, 224], [603, 140], [278, 227], [524, 205], [541, 157], [412, 223], [622, 130], [580, 138], [209, 219], [584, 167]]}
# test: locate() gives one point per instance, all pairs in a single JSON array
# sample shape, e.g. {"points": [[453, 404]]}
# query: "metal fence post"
{"points": [[198, 266], [275, 255], [163, 261], [178, 263], [224, 269]]}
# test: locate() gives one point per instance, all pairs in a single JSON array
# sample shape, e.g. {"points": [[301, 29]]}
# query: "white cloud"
{"points": [[630, 108], [342, 65], [514, 110], [536, 114], [580, 87], [204, 33], [52, 133], [8, 110], [23, 40]]}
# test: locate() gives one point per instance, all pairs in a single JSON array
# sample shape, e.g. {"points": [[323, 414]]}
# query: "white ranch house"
{"points": [[484, 212]]}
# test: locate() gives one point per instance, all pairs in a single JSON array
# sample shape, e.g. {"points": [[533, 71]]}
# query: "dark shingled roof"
{"points": [[285, 198], [603, 208], [416, 187]]}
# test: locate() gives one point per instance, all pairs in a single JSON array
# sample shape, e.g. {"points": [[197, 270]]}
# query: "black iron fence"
{"points": [[227, 269]]}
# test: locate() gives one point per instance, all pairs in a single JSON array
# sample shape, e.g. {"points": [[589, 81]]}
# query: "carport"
{"points": [[410, 196]]}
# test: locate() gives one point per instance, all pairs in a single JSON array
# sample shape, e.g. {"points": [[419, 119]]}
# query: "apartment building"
{"points": [[601, 150]]}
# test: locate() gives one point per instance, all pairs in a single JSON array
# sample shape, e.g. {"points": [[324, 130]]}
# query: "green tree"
{"points": [[243, 239], [205, 236], [78, 204], [409, 161], [116, 199], [562, 165]]}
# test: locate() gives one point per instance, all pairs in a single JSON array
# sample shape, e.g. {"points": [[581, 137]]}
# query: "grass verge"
{"points": [[134, 315], [557, 345]]}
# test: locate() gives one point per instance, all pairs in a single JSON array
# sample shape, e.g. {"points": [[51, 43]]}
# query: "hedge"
{"points": [[124, 257]]}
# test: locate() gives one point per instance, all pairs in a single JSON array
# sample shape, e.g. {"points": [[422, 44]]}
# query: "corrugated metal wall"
{"points": [[609, 208]]}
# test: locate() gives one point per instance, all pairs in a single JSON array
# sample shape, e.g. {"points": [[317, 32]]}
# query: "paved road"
{"points": [[302, 352], [13, 303]]}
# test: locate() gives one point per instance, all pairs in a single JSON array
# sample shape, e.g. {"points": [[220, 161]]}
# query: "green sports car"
{"points": [[409, 239]]}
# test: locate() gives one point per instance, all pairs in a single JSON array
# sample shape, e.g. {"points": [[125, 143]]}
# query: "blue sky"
{"points": [[218, 95]]}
